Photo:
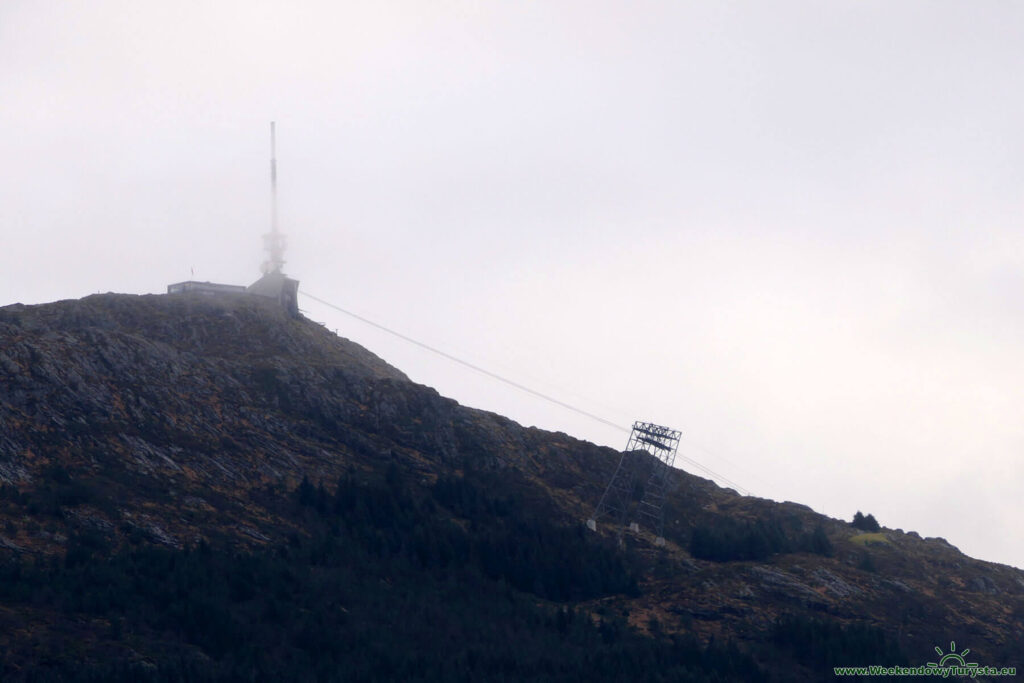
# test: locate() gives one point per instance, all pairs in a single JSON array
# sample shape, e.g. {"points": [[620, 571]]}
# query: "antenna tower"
{"points": [[274, 240], [646, 439]]}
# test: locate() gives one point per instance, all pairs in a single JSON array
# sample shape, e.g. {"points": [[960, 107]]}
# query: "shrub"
{"points": [[865, 522]]}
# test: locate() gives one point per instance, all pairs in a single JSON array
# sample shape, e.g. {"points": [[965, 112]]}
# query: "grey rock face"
{"points": [[222, 394]]}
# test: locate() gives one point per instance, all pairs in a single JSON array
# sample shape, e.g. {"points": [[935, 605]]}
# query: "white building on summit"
{"points": [[274, 284], [278, 286]]}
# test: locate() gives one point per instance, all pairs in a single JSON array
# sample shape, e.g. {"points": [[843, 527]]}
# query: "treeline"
{"points": [[459, 522], [726, 539], [385, 581], [821, 644]]}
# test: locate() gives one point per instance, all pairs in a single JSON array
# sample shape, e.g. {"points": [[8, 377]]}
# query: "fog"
{"points": [[791, 230]]}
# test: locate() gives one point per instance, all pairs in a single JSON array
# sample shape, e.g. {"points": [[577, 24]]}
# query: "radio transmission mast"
{"points": [[274, 240], [617, 500], [274, 283]]}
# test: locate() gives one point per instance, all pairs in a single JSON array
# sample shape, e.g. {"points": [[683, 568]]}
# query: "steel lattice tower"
{"points": [[617, 499]]}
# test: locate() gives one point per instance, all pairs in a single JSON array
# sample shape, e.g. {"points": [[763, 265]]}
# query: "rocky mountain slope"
{"points": [[174, 421]]}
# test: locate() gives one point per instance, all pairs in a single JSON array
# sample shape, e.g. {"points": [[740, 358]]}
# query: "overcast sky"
{"points": [[790, 229]]}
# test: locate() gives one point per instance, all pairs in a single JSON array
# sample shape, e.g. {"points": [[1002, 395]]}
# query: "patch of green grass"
{"points": [[877, 538]]}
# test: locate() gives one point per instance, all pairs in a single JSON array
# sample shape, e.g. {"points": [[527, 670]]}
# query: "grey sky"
{"points": [[790, 229]]}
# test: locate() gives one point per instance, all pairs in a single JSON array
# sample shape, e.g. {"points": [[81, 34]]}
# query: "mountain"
{"points": [[207, 488]]}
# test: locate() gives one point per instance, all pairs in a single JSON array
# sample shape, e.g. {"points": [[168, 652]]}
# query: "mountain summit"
{"points": [[208, 488]]}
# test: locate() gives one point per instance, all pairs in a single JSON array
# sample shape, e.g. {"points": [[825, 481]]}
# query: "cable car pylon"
{"points": [[617, 500]]}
